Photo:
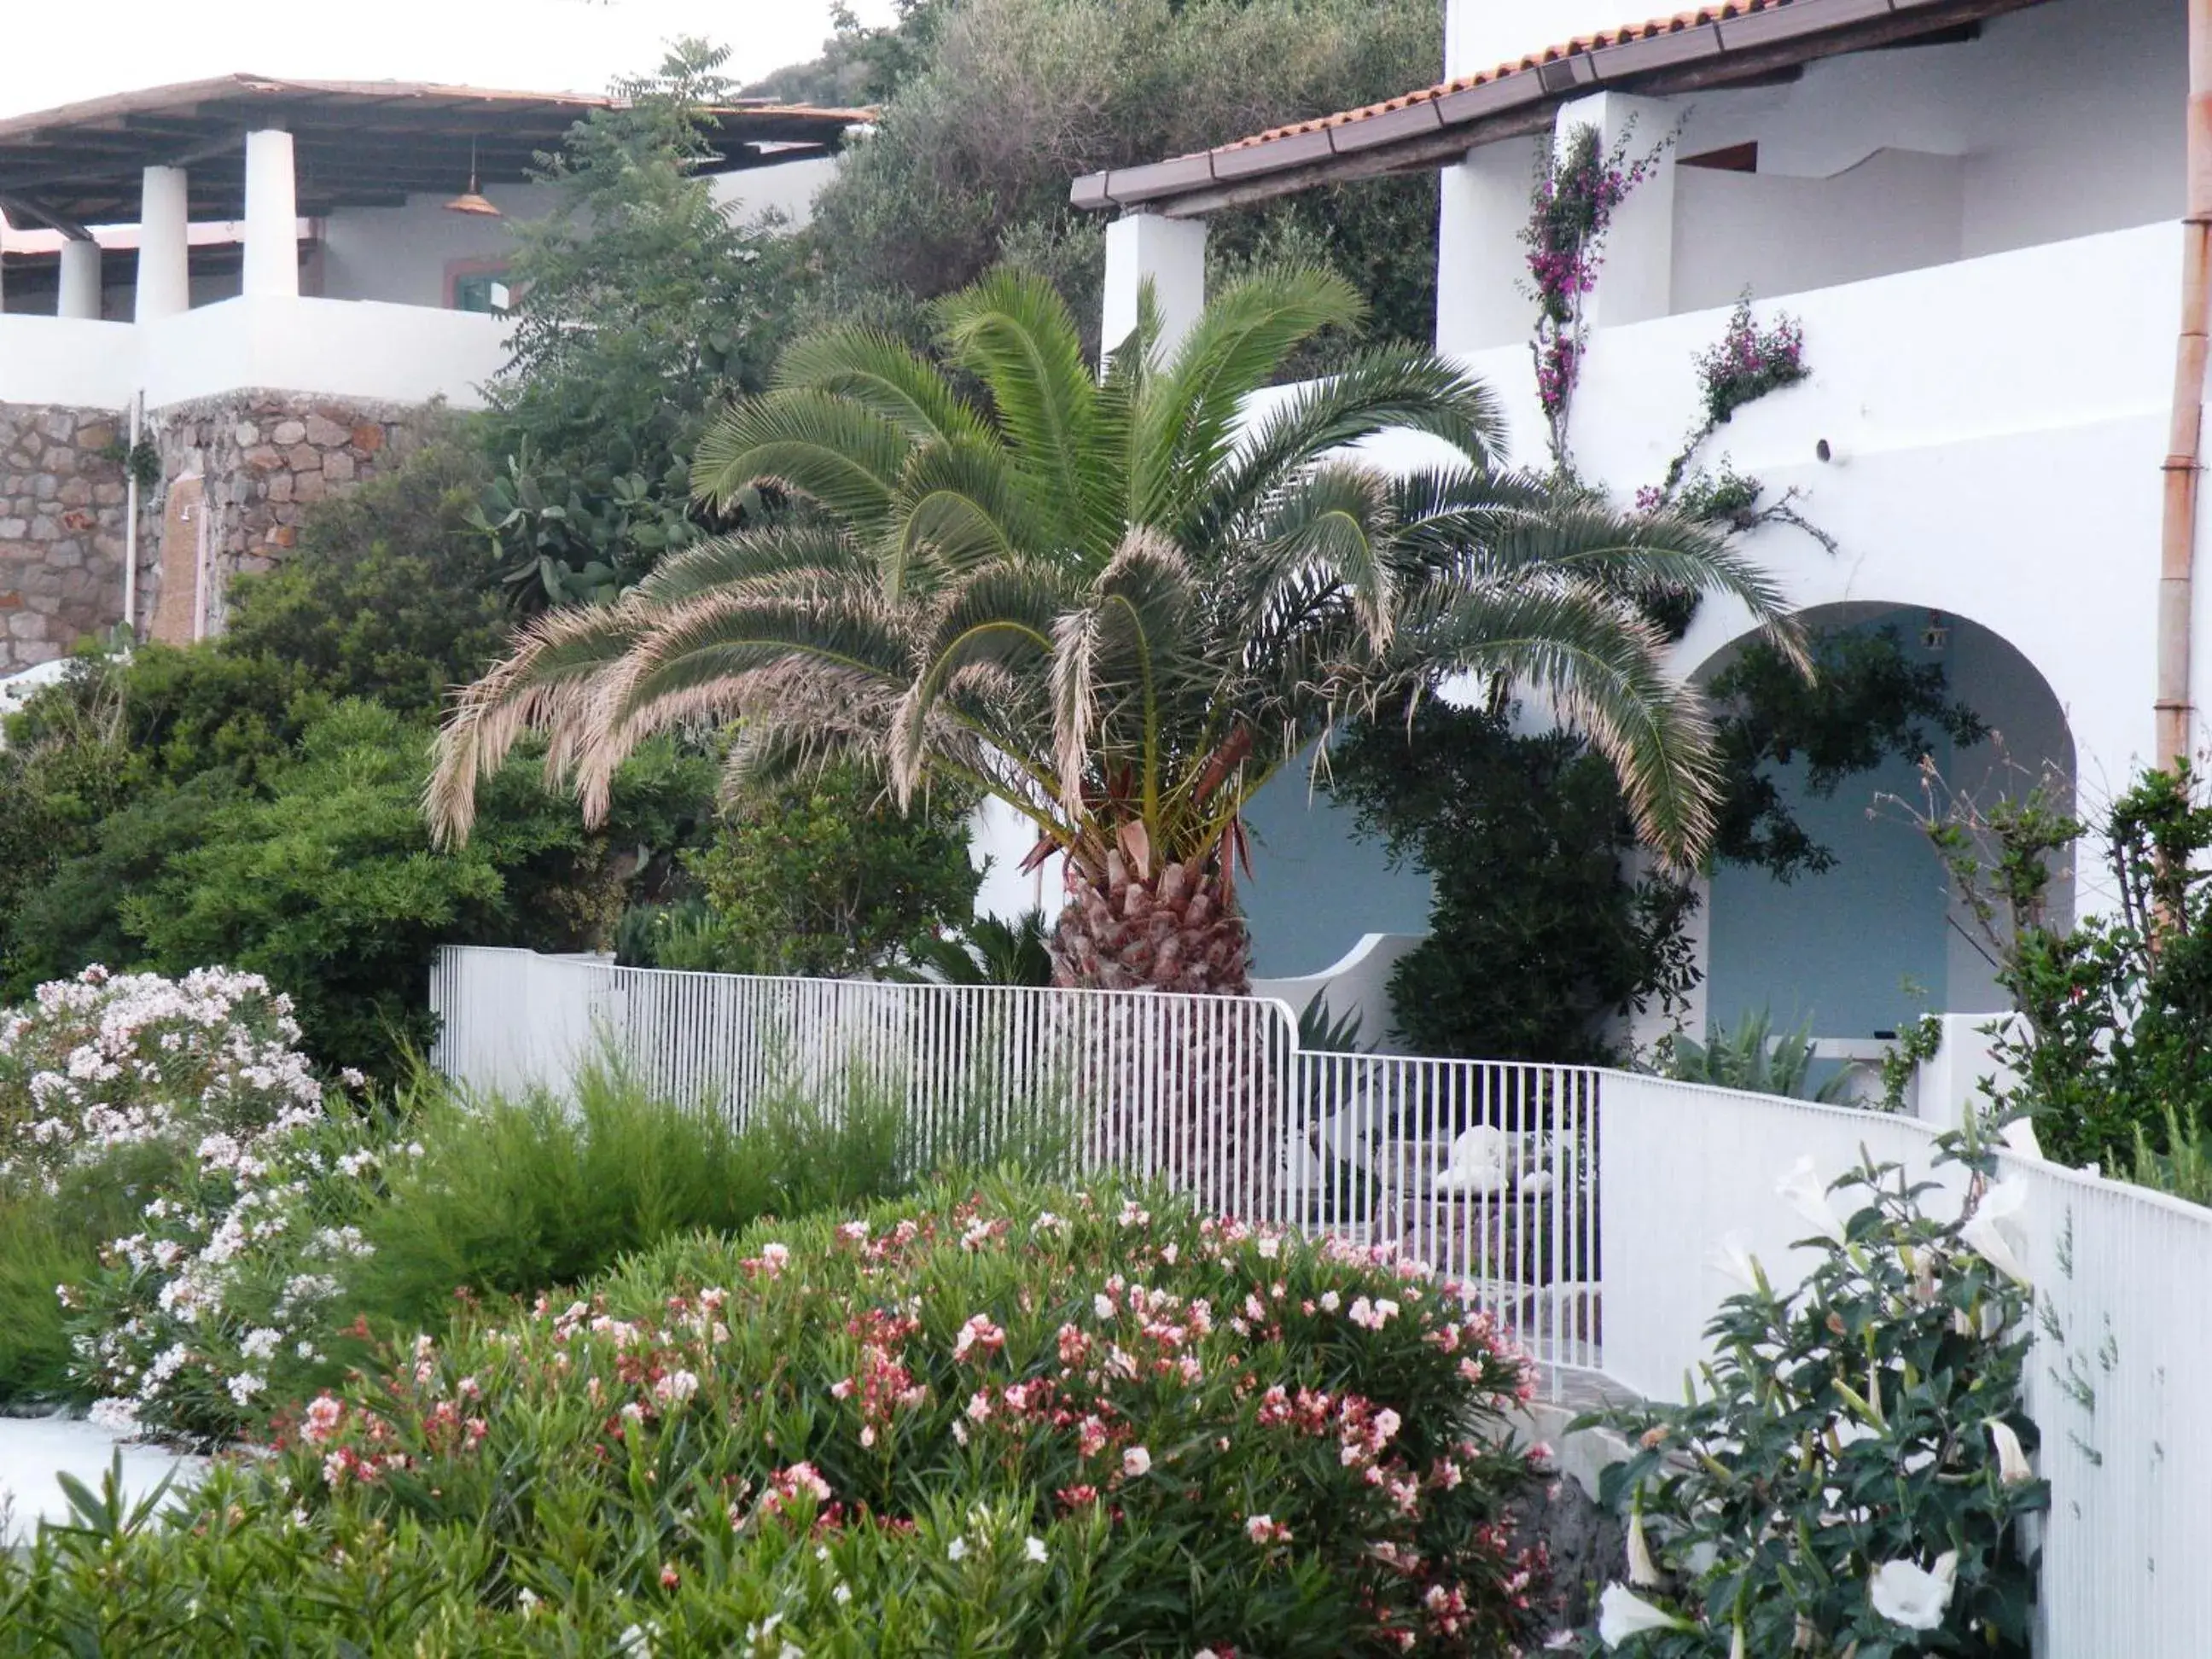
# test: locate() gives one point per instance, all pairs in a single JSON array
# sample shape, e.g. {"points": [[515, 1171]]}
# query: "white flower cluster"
{"points": [[227, 1294], [199, 1321], [105, 1061]]}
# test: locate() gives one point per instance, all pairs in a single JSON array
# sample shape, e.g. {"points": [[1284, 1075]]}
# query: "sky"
{"points": [[52, 54]]}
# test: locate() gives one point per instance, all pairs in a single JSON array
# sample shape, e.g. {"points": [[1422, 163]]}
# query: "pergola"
{"points": [[264, 151]]}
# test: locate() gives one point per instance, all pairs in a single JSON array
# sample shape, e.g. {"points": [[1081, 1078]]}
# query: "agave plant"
{"points": [[1756, 1058], [1117, 603]]}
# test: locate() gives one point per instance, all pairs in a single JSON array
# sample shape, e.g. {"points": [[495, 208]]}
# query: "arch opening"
{"points": [[1883, 935]]}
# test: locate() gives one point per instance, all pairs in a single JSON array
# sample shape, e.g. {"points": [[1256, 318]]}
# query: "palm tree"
{"points": [[1119, 604]]}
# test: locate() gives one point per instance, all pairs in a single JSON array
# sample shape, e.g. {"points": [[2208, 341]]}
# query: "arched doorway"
{"points": [[1877, 939]]}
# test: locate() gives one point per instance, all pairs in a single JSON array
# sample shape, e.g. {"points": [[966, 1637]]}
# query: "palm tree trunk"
{"points": [[1178, 930], [1189, 1109]]}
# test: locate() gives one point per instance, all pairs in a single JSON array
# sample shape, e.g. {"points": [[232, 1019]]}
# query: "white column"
{"points": [[1637, 281], [79, 293], [1170, 254], [1482, 264], [272, 217], [164, 259]]}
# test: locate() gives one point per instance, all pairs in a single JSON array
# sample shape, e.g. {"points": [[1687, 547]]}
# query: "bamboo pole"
{"points": [[2184, 460]]}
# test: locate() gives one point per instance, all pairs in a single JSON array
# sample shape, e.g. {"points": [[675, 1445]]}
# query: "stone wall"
{"points": [[61, 530], [263, 458]]}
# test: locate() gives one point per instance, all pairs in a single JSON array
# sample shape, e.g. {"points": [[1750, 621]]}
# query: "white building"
{"points": [[268, 281], [1976, 208]]}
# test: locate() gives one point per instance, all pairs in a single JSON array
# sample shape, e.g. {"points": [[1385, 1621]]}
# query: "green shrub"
{"points": [[820, 874], [1020, 1422], [320, 876], [515, 1195], [50, 1241], [1861, 1436], [2113, 1054], [392, 593], [1539, 937]]}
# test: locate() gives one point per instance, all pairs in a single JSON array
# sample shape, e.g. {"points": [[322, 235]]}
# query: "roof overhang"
{"points": [[355, 143], [1738, 43]]}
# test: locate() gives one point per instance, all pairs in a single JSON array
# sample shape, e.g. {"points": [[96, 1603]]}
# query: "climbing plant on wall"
{"points": [[1580, 184], [1746, 363]]}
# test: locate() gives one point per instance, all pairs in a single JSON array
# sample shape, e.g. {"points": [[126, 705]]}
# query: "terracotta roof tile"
{"points": [[1581, 44]]}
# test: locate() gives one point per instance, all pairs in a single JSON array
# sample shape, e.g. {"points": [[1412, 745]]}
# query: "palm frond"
{"points": [[1336, 522], [958, 506], [887, 377], [1190, 415], [1380, 390], [1603, 667], [1012, 332], [545, 683], [825, 447], [1113, 658]]}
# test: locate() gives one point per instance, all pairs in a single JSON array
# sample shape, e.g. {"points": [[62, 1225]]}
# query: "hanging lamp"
{"points": [[469, 201]]}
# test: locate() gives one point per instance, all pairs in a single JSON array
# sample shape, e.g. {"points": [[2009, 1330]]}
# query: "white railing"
{"points": [[1584, 1208], [1485, 1170]]}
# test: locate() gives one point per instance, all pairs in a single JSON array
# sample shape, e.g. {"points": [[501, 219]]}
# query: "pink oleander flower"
{"points": [[978, 1331]]}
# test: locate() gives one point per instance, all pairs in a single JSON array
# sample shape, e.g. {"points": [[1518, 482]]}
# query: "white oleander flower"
{"points": [[1992, 1233], [2013, 1466], [1733, 1256], [1643, 1571]]}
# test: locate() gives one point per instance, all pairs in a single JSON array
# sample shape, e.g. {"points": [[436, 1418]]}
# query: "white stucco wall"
{"points": [[1896, 210], [401, 253], [2060, 121], [66, 360]]}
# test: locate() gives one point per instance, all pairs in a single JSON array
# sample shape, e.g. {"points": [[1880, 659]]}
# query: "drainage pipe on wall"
{"points": [[130, 517], [2185, 445]]}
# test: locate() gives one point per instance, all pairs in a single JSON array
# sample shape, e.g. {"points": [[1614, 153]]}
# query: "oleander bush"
{"points": [[107, 1060], [192, 1236], [112, 1086], [996, 1419]]}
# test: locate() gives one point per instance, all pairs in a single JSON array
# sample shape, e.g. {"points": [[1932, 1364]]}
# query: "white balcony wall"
{"points": [[343, 349], [402, 253], [2058, 121], [66, 360], [354, 348]]}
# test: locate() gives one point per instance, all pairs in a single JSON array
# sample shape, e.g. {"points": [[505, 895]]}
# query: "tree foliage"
{"points": [[2115, 1063], [991, 106], [392, 593], [1542, 933], [1865, 702], [1540, 936], [639, 303], [820, 874]]}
